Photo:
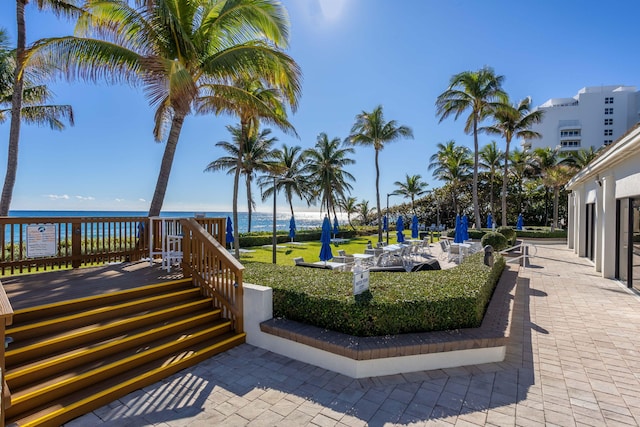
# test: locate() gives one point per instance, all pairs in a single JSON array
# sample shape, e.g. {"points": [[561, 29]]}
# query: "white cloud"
{"points": [[142, 200], [85, 198], [119, 200], [58, 196]]}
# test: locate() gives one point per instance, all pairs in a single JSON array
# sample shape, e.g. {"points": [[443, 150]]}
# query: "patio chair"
{"points": [[382, 260], [453, 253], [343, 257], [423, 249]]}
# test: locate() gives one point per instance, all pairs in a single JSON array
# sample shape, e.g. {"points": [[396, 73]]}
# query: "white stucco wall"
{"points": [[618, 171], [258, 307]]}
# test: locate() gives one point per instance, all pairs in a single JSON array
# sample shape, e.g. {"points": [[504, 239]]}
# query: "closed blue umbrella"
{"points": [[489, 221], [385, 223], [325, 239], [292, 228], [400, 229], [336, 227], [520, 222], [458, 238], [465, 227], [414, 227], [229, 235]]}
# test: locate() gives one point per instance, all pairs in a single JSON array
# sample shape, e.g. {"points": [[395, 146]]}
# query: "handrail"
{"points": [[214, 270], [525, 249], [6, 319]]}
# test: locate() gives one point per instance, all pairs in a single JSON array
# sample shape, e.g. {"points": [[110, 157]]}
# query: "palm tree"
{"points": [[291, 163], [543, 160], [521, 168], [364, 212], [349, 206], [253, 101], [58, 7], [174, 48], [451, 164], [257, 157], [481, 93], [578, 159], [513, 121], [370, 129], [555, 177], [412, 187], [34, 108], [490, 157], [326, 171]]}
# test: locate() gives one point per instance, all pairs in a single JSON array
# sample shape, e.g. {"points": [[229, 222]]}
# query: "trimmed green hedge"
{"points": [[541, 233], [509, 234], [396, 303], [495, 239], [261, 238]]}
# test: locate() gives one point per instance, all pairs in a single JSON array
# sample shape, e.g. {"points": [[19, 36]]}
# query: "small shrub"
{"points": [[509, 233], [497, 240]]}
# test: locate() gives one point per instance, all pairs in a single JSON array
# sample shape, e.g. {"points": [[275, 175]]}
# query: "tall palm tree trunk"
{"points": [[289, 197], [165, 166], [505, 181], [236, 185], [476, 206], [492, 176], [249, 204], [379, 212], [556, 194], [16, 107]]}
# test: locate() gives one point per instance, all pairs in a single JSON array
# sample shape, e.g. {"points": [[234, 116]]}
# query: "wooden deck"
{"points": [[48, 287]]}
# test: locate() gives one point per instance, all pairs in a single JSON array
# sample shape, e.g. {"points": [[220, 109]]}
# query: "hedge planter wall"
{"points": [[396, 303]]}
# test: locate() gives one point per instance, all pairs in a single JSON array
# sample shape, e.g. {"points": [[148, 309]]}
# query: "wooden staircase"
{"points": [[70, 358]]}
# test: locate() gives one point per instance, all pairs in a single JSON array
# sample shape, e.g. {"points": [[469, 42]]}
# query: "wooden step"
{"points": [[56, 388], [70, 358], [20, 354], [97, 395], [38, 313], [36, 329], [40, 370]]}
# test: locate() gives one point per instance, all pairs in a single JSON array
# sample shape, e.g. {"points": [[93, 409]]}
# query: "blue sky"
{"points": [[355, 55]]}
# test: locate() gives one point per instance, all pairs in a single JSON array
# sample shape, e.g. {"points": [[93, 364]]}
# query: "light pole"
{"points": [[388, 218], [274, 241]]}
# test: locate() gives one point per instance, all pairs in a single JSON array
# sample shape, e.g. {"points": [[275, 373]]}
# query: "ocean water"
{"points": [[260, 221]]}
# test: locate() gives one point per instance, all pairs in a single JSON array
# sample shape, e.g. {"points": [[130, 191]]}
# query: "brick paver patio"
{"points": [[576, 361]]}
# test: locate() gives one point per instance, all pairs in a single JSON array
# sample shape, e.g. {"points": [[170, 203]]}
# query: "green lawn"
{"points": [[310, 251]]}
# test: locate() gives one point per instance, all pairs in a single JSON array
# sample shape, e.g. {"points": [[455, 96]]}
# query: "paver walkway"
{"points": [[576, 362]]}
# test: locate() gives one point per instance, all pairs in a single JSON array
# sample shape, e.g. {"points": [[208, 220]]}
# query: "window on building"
{"points": [[608, 141], [608, 110], [569, 133], [608, 100], [608, 122], [608, 132], [570, 143]]}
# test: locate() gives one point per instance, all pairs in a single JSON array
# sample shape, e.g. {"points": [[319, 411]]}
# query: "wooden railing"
{"points": [[73, 242], [6, 319], [213, 269], [69, 242], [83, 241]]}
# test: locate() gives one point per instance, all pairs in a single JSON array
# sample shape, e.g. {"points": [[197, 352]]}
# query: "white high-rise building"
{"points": [[596, 116]]}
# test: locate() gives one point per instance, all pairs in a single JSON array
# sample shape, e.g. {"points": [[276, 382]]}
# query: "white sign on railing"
{"points": [[41, 240]]}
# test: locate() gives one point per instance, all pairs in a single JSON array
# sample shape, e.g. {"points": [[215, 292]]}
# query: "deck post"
{"points": [[76, 245]]}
